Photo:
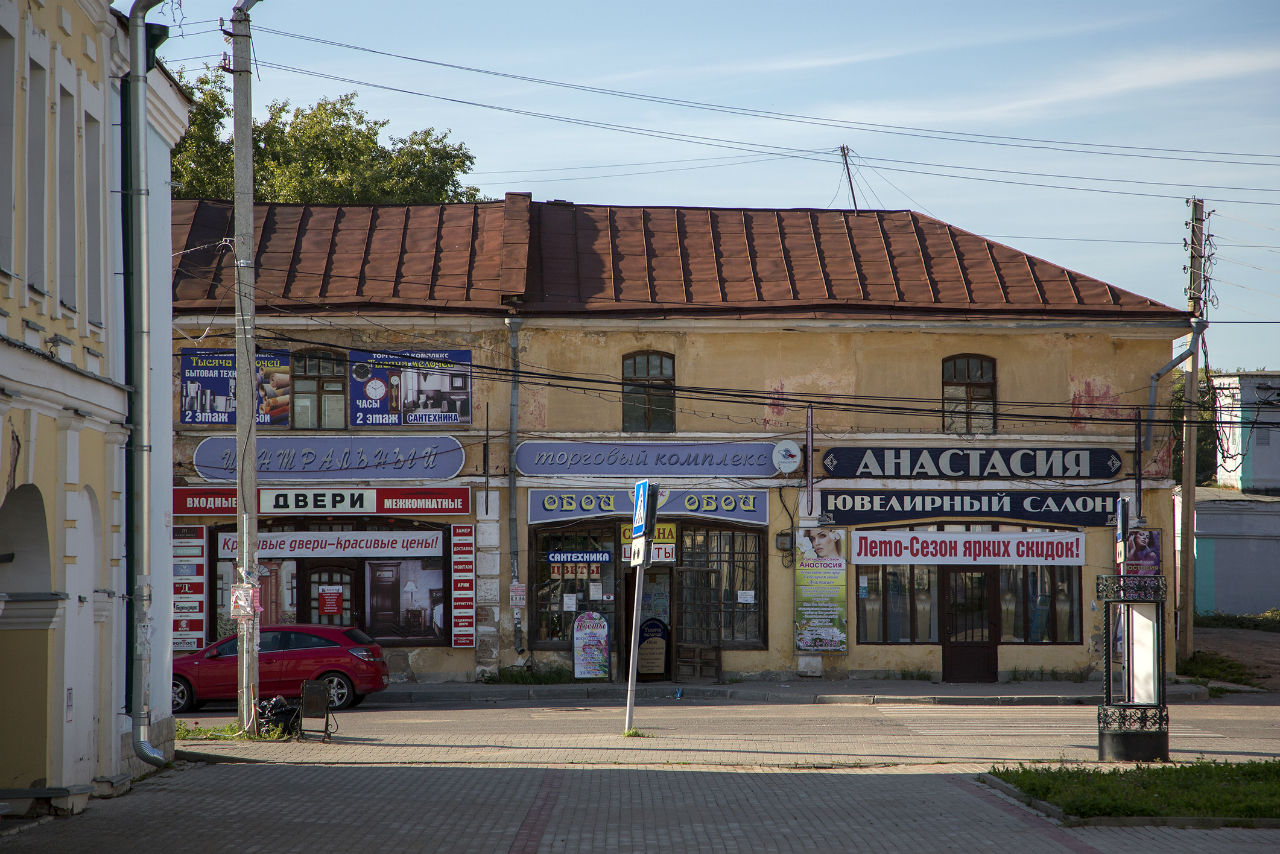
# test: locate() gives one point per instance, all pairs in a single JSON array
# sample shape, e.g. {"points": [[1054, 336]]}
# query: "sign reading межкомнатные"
{"points": [[972, 463]]}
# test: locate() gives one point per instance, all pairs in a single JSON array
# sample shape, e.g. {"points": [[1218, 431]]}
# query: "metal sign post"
{"points": [[643, 525]]}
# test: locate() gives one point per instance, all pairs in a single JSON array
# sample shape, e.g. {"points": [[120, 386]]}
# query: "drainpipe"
{"points": [[1197, 329], [137, 303], [513, 527]]}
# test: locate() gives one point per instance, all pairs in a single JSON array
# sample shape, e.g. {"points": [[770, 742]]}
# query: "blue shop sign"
{"points": [[972, 463], [350, 458], [746, 506], [1056, 507], [207, 387], [579, 557], [647, 459]]}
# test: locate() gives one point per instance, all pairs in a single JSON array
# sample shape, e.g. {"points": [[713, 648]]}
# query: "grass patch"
{"points": [[1267, 621], [1208, 789], [194, 732], [542, 674], [918, 675], [1219, 668], [635, 732]]}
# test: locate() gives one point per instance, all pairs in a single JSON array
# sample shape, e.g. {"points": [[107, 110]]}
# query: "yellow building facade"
{"points": [[883, 446], [66, 727]]}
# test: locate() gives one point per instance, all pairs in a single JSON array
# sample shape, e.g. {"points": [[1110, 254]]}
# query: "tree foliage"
{"points": [[1207, 438], [328, 153]]}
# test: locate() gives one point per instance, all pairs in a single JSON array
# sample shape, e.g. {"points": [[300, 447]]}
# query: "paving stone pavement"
{"points": [[505, 774]]}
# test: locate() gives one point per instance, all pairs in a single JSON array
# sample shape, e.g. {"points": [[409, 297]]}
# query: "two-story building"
{"points": [[78, 608], [883, 444]]}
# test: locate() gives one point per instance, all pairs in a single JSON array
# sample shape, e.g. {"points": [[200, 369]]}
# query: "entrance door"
{"points": [[969, 629], [697, 624], [384, 598]]}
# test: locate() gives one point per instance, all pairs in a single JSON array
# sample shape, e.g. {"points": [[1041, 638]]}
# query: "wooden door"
{"points": [[697, 617], [970, 629]]}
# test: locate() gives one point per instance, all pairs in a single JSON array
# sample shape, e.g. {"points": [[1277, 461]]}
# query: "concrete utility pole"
{"points": [[1190, 418], [246, 366]]}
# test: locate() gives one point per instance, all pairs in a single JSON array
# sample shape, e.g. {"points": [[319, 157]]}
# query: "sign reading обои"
{"points": [[638, 459]]}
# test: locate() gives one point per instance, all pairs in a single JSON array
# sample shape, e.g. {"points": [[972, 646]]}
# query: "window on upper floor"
{"points": [[648, 392], [969, 394], [319, 390], [8, 145]]}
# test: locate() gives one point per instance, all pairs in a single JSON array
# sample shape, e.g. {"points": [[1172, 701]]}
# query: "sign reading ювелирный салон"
{"points": [[972, 463]]}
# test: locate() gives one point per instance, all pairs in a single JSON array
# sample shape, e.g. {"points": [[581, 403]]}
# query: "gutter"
{"points": [[138, 498], [513, 526], [1198, 327]]}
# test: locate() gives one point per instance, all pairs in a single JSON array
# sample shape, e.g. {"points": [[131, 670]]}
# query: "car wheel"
{"points": [[184, 698], [342, 693]]}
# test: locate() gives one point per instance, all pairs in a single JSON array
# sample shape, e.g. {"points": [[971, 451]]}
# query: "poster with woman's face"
{"points": [[822, 544], [1142, 551]]}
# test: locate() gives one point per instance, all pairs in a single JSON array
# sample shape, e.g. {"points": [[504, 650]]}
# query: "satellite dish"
{"points": [[786, 456]]}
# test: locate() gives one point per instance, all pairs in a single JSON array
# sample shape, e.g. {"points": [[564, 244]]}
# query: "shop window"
{"points": [[897, 604], [319, 390], [1040, 604], [648, 393], [562, 588], [737, 554], [968, 394]]}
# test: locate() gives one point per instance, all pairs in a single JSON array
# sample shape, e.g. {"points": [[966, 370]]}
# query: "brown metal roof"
{"points": [[560, 258]]}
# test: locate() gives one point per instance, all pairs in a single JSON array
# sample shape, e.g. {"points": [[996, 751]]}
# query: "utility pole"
{"points": [[246, 371], [844, 154], [1190, 419]]}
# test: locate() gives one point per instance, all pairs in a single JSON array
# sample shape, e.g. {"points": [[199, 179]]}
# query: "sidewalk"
{"points": [[796, 691]]}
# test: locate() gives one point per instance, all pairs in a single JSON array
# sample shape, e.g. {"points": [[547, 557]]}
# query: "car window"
{"points": [[357, 636], [271, 642], [304, 640], [227, 647]]}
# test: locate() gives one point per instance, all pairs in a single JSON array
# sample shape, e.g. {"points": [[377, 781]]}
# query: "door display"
{"points": [[968, 636]]}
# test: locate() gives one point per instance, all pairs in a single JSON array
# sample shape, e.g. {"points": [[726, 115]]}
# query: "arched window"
{"points": [[319, 390], [969, 394], [648, 393]]}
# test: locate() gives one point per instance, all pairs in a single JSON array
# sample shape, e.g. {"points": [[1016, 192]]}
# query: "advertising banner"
{"points": [[957, 548], [340, 544], [294, 501], [821, 594], [590, 646], [463, 599], [207, 387], [1142, 551], [411, 388]]}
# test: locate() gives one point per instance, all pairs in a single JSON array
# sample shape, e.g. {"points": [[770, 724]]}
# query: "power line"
{"points": [[901, 130]]}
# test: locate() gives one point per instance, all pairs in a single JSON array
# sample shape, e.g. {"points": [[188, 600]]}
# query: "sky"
{"points": [[1075, 132]]}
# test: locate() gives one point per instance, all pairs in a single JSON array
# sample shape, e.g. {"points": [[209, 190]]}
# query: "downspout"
{"points": [[138, 499], [513, 527], [1198, 326]]}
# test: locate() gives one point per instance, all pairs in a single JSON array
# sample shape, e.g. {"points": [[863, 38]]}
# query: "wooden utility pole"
{"points": [[1190, 419], [853, 197]]}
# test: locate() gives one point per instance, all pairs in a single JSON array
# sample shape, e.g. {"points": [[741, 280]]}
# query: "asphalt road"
{"points": [[708, 776]]}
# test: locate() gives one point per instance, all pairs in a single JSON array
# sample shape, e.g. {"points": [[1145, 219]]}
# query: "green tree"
{"points": [[328, 153]]}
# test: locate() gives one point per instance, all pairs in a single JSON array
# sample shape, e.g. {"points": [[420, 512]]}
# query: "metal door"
{"points": [[969, 629], [697, 624]]}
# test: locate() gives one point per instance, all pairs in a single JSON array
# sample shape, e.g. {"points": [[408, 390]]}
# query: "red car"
{"points": [[346, 658]]}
